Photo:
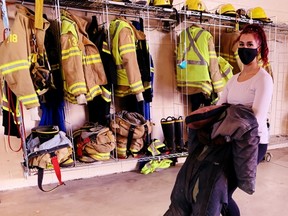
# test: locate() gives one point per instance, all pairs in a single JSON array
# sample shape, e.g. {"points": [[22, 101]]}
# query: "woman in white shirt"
{"points": [[252, 87]]}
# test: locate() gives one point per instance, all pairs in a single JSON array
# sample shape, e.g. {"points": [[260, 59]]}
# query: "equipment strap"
{"points": [[39, 14], [193, 45], [129, 139], [80, 146], [56, 167]]}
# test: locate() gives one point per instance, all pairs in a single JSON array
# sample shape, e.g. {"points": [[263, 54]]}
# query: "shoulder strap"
{"points": [[56, 167], [129, 139]]}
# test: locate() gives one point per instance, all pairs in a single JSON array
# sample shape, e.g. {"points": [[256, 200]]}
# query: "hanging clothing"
{"points": [[99, 107], [197, 66], [11, 115], [229, 49], [82, 68], [123, 37], [14, 66], [146, 67], [145, 62], [226, 69], [52, 106]]}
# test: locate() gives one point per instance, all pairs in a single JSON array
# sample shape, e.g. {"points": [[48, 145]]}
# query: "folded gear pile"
{"points": [[131, 129], [93, 142]]}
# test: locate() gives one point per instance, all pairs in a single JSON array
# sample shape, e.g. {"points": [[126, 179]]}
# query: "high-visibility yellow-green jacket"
{"points": [[226, 69], [123, 35], [16, 57], [197, 66], [82, 68]]}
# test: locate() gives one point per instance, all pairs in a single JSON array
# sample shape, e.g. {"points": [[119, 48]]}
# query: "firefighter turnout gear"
{"points": [[258, 13], [156, 147], [99, 37], [229, 49], [123, 37], [131, 129], [83, 71], [52, 151], [226, 9], [156, 165], [168, 128], [226, 69], [162, 3], [196, 5], [15, 67], [179, 130], [197, 65], [94, 143]]}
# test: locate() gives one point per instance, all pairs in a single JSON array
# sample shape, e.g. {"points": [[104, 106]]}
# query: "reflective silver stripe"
{"points": [[193, 45], [14, 67], [116, 28], [136, 86], [106, 94], [226, 72], [198, 35], [194, 62], [27, 100], [77, 87]]}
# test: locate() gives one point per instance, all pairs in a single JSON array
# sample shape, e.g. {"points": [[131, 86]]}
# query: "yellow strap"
{"points": [[39, 14]]}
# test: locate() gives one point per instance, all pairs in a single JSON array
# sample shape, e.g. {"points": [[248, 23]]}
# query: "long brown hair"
{"points": [[260, 35]]}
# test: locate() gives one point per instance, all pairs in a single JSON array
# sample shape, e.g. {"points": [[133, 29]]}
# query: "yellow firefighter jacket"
{"points": [[197, 65], [123, 36], [16, 57], [83, 71]]}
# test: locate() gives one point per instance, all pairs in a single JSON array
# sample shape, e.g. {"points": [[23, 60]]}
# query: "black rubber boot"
{"points": [[179, 141], [169, 133]]}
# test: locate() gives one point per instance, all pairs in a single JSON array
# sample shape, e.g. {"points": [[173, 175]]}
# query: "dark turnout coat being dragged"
{"points": [[201, 184]]}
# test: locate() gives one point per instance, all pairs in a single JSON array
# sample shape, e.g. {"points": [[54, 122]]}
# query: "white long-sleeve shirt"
{"points": [[255, 92]]}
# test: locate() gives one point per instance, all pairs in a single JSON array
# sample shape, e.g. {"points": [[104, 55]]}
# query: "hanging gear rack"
{"points": [[115, 8], [146, 12]]}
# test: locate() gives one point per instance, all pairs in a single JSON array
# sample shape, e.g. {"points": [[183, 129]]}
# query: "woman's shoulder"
{"points": [[264, 72], [264, 75]]}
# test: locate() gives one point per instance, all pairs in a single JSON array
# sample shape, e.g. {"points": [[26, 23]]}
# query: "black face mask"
{"points": [[247, 55]]}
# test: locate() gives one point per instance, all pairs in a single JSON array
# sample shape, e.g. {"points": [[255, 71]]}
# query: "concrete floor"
{"points": [[132, 193]]}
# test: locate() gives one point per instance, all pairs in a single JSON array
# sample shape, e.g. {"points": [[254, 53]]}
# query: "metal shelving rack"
{"points": [[107, 8]]}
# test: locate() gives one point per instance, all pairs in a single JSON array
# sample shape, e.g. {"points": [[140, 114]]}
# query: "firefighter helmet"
{"points": [[258, 13], [226, 9], [122, 1], [196, 5], [163, 3], [142, 2]]}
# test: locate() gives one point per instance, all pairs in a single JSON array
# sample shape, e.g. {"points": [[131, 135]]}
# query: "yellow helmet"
{"points": [[142, 2], [122, 1], [196, 5], [163, 3], [226, 9], [258, 13]]}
